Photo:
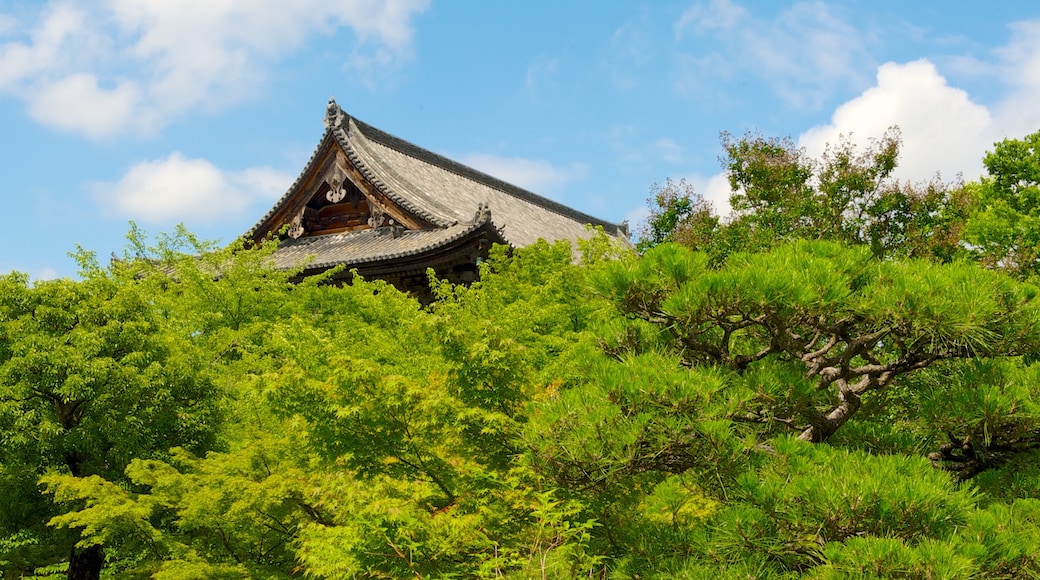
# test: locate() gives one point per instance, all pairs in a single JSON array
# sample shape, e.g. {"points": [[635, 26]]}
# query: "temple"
{"points": [[390, 210]]}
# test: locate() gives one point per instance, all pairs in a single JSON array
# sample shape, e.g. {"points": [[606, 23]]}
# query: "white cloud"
{"points": [[668, 150], [540, 72], [7, 23], [77, 103], [263, 182], [144, 62], [714, 189], [194, 191], [532, 174], [804, 54], [52, 44], [636, 152], [942, 129], [629, 54]]}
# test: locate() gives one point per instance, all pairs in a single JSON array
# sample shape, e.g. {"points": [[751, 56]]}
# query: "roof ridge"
{"points": [[408, 148], [351, 149]]}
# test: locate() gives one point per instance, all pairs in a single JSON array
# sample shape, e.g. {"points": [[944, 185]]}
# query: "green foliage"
{"points": [[851, 325], [890, 496], [1004, 229], [573, 414], [779, 194], [933, 357], [643, 415], [678, 215], [92, 376]]}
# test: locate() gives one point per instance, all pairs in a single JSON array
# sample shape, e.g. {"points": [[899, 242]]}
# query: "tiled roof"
{"points": [[458, 186]]}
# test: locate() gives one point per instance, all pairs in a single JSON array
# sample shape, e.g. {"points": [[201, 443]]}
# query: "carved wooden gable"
{"points": [[334, 197]]}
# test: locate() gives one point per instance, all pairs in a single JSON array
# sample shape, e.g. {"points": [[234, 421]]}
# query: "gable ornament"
{"points": [[334, 115]]}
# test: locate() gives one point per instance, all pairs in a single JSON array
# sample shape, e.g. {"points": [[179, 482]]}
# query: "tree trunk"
{"points": [[86, 564], [825, 426]]}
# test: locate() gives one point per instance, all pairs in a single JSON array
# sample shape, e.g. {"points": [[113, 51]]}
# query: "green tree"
{"points": [[847, 323], [90, 378], [705, 370], [779, 193], [364, 434], [680, 215], [134, 359], [1004, 229]]}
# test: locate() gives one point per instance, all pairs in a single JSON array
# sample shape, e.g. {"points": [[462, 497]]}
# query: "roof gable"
{"points": [[332, 196]]}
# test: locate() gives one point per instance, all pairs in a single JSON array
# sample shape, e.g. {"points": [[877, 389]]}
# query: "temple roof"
{"points": [[428, 198]]}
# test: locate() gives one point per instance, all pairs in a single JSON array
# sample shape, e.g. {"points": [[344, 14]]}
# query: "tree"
{"points": [[1004, 229], [847, 195], [364, 434], [849, 324], [134, 359], [769, 416], [90, 378], [656, 415], [680, 215]]}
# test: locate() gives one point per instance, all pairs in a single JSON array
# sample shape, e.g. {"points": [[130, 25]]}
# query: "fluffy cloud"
{"points": [[53, 42], [138, 62], [942, 129], [77, 103], [532, 174], [193, 191], [715, 189]]}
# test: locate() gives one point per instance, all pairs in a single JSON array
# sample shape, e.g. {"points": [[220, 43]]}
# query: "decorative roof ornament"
{"points": [[296, 229], [334, 115], [483, 213], [336, 192], [376, 216]]}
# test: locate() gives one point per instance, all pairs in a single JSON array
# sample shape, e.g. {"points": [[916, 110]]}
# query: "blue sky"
{"points": [[202, 112]]}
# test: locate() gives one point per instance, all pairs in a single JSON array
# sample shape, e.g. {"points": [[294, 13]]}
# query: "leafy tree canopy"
{"points": [[1004, 230], [779, 194]]}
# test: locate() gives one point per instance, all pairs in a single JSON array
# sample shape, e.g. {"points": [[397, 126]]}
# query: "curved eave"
{"points": [[375, 246]]}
